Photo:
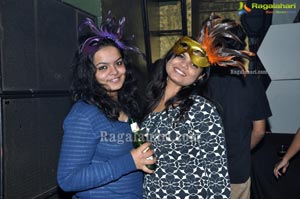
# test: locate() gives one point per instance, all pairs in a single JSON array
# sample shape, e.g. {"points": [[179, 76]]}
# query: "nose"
{"points": [[186, 64], [187, 61], [113, 70]]}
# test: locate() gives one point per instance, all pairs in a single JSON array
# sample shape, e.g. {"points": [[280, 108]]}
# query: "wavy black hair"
{"points": [[85, 87], [157, 84]]}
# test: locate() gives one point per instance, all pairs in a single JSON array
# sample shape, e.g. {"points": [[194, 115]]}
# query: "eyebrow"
{"points": [[120, 58]]}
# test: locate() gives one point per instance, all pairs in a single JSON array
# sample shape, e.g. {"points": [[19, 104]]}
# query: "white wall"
{"points": [[280, 55]]}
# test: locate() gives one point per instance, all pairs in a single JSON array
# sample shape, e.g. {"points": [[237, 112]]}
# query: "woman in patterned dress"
{"points": [[185, 129]]}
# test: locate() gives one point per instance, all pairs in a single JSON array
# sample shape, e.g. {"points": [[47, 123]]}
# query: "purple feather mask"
{"points": [[110, 28]]}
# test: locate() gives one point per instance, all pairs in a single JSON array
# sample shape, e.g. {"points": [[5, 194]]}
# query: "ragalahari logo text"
{"points": [[269, 8], [243, 8]]}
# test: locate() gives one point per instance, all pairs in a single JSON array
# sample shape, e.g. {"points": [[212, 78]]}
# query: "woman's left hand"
{"points": [[281, 167]]}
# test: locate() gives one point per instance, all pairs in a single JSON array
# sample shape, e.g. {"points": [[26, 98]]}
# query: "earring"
{"points": [[201, 77]]}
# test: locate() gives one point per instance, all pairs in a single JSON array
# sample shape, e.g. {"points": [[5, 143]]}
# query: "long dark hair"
{"points": [[157, 84], [85, 87]]}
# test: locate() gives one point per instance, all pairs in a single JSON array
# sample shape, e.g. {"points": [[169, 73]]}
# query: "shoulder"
{"points": [[253, 81], [203, 107], [219, 80], [203, 114], [84, 110], [256, 88], [202, 102]]}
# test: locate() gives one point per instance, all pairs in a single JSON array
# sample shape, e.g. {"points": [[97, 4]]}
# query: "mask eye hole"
{"points": [[184, 45], [198, 53]]}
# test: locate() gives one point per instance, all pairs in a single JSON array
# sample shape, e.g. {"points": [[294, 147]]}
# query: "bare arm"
{"points": [[258, 132], [293, 149]]}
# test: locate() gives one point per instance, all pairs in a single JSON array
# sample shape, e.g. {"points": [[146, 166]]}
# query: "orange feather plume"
{"points": [[211, 36], [212, 52]]}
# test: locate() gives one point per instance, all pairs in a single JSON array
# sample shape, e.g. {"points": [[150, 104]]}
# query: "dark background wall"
{"points": [[38, 40]]}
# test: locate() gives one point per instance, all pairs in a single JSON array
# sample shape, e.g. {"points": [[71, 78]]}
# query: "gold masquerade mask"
{"points": [[194, 49], [209, 50]]}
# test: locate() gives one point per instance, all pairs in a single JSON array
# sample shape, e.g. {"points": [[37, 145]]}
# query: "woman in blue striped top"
{"points": [[97, 158]]}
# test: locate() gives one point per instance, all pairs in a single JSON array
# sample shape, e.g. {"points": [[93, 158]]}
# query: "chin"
{"points": [[115, 88]]}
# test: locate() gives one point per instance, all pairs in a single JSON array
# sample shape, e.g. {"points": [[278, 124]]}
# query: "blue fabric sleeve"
{"points": [[77, 171]]}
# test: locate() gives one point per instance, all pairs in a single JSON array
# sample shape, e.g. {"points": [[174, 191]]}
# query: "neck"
{"points": [[170, 91], [123, 117], [113, 95]]}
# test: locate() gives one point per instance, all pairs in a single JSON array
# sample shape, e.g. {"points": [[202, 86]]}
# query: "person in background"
{"points": [[244, 108], [281, 167], [97, 159], [185, 128]]}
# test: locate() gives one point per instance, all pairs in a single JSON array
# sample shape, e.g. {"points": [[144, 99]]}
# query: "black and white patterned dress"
{"points": [[192, 158]]}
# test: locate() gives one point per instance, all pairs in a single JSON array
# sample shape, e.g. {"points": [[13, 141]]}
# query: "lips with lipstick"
{"points": [[115, 80], [180, 72]]}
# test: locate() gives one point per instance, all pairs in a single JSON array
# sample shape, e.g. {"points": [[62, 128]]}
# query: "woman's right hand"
{"points": [[141, 156]]}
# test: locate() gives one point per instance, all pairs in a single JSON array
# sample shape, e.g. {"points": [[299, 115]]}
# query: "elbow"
{"points": [[259, 128], [261, 133], [65, 183]]}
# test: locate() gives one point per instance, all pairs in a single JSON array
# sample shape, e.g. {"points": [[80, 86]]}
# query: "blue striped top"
{"points": [[95, 159]]}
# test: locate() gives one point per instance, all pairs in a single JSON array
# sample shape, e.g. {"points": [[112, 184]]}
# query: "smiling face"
{"points": [[110, 69], [181, 71]]}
